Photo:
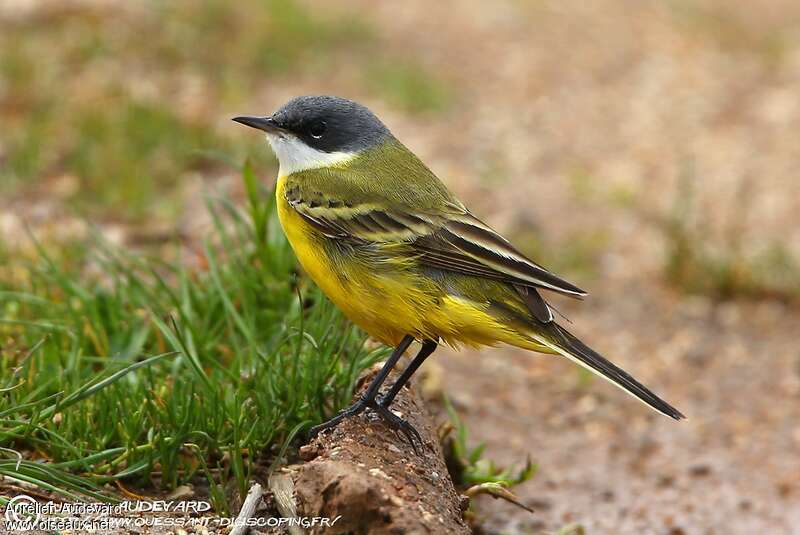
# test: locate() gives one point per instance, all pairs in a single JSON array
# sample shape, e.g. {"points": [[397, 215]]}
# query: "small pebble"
{"points": [[377, 472], [700, 470], [308, 452]]}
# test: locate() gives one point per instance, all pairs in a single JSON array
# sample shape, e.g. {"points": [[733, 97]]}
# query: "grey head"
{"points": [[325, 123]]}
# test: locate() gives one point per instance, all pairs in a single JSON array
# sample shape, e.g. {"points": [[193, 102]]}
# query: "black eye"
{"points": [[317, 128]]}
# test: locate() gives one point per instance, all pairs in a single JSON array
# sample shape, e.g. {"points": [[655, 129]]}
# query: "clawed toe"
{"points": [[399, 425], [353, 410], [392, 421]]}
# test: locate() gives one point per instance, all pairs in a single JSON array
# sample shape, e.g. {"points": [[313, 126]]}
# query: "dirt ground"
{"points": [[628, 94], [608, 463]]}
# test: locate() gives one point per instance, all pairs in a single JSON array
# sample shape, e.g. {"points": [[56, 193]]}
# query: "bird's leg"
{"points": [[428, 347], [382, 402], [367, 399]]}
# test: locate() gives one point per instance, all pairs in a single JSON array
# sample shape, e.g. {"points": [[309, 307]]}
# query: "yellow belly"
{"points": [[364, 300], [389, 305]]}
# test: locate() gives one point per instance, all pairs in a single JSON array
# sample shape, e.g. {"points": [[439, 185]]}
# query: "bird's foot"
{"points": [[355, 409], [393, 421], [398, 425]]}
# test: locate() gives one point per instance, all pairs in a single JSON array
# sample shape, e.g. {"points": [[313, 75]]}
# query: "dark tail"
{"points": [[564, 343]]}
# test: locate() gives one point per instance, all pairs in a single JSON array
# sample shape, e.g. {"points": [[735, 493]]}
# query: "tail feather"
{"points": [[563, 342]]}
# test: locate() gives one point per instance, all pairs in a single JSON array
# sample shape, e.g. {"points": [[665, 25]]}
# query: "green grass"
{"points": [[139, 141], [133, 101], [467, 464], [474, 473], [723, 269], [122, 368], [154, 374]]}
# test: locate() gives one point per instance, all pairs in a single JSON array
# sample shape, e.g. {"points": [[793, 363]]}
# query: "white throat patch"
{"points": [[295, 156]]}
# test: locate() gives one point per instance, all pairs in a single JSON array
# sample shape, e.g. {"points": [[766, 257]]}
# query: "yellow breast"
{"points": [[360, 294], [305, 243], [390, 303]]}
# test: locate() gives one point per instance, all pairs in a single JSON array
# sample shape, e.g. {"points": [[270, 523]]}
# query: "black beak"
{"points": [[267, 124]]}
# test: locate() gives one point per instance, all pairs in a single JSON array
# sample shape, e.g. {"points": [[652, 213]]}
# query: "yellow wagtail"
{"points": [[402, 257]]}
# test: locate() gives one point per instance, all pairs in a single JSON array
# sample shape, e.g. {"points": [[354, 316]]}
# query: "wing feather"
{"points": [[456, 241], [492, 249]]}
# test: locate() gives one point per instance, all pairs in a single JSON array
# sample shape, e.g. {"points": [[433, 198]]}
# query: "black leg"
{"points": [[367, 399], [375, 385], [428, 347]]}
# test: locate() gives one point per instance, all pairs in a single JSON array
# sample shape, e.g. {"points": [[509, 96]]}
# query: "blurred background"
{"points": [[647, 151]]}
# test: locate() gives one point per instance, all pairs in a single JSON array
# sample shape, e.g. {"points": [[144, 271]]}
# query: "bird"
{"points": [[403, 258]]}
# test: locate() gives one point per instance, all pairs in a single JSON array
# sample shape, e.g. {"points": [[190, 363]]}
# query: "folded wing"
{"points": [[454, 241]]}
